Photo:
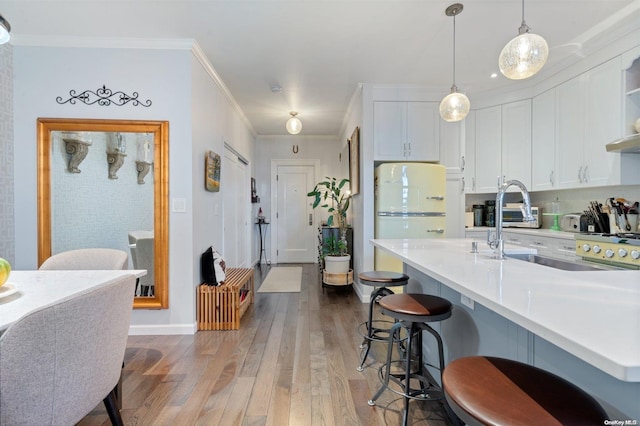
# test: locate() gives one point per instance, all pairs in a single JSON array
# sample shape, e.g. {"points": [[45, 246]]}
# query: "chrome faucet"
{"points": [[497, 243]]}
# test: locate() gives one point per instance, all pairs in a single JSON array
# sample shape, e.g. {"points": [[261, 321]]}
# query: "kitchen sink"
{"points": [[565, 265]]}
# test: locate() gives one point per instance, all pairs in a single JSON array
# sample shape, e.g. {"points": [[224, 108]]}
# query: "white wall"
{"points": [[7, 234], [184, 92]]}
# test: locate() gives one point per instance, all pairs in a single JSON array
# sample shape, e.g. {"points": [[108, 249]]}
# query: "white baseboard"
{"points": [[162, 329]]}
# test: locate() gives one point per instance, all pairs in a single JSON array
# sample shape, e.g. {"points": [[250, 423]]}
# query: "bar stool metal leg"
{"points": [[372, 331]]}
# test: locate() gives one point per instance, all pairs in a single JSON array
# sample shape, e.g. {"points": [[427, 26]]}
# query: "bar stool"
{"points": [[377, 330], [413, 312], [487, 390]]}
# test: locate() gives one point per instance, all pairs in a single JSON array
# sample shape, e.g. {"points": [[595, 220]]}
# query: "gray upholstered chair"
{"points": [[141, 244], [59, 362], [87, 259]]}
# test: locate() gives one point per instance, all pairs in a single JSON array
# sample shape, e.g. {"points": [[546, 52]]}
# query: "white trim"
{"points": [[103, 42], [162, 329]]}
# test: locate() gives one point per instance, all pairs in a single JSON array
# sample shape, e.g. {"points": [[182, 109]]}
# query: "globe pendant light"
{"points": [[524, 55], [5, 29], [455, 106], [294, 125]]}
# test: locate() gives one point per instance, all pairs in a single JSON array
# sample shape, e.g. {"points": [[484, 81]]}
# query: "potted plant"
{"points": [[329, 194]]}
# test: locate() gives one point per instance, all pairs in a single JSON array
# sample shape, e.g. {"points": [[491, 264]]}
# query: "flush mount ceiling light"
{"points": [[5, 29], [524, 55], [294, 125], [455, 106]]}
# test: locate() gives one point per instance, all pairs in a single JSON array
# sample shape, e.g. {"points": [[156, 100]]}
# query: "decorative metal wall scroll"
{"points": [[104, 97]]}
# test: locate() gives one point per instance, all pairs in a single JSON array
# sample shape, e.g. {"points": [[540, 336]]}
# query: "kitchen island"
{"points": [[583, 326]]}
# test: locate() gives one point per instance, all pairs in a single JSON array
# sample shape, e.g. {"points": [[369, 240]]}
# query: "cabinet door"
{"points": [[454, 227], [469, 162], [543, 156], [452, 141], [390, 127], [603, 124], [570, 107], [423, 131], [488, 148], [516, 141]]}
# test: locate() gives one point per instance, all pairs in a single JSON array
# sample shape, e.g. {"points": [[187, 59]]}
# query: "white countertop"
{"points": [[37, 289], [539, 232], [592, 315]]}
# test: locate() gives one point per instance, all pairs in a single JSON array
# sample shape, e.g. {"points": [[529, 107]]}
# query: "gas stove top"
{"points": [[619, 249]]}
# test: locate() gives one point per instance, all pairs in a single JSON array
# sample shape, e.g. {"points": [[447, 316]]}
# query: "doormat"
{"points": [[282, 280]]}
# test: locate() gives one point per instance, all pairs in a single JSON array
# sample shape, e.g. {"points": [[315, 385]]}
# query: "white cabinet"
{"points": [[588, 116], [406, 131], [503, 145], [452, 146], [631, 65], [488, 148], [570, 132], [455, 206], [516, 141], [469, 169], [558, 245], [543, 156]]}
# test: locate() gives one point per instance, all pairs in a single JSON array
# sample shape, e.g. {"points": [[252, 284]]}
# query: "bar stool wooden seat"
{"points": [[488, 391], [413, 312], [377, 330]]}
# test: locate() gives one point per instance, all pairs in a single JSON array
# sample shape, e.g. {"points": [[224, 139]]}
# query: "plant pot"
{"points": [[337, 264]]}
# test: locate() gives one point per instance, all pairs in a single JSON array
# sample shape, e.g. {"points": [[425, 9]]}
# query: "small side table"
{"points": [[262, 230]]}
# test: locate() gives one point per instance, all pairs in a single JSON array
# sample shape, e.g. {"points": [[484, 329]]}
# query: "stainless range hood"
{"points": [[630, 144]]}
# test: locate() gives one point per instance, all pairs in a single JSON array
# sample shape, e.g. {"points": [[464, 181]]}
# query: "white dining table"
{"points": [[26, 291]]}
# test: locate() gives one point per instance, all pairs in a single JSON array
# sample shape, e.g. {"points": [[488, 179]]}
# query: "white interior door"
{"points": [[234, 187], [297, 240]]}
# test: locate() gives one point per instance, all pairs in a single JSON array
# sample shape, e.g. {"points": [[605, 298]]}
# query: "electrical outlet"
{"points": [[467, 301]]}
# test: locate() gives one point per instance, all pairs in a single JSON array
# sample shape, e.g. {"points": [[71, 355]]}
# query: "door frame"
{"points": [[274, 193]]}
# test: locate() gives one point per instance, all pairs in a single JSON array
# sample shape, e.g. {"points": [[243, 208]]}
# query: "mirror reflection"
{"points": [[103, 190]]}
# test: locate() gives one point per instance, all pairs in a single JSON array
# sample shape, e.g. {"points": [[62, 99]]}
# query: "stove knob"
{"points": [[586, 247], [622, 252], [597, 249], [609, 253], [635, 254]]}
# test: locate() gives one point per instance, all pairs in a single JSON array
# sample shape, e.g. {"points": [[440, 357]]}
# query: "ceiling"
{"points": [[319, 51]]}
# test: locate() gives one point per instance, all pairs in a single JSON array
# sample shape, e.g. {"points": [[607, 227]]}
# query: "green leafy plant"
{"points": [[333, 246], [329, 194]]}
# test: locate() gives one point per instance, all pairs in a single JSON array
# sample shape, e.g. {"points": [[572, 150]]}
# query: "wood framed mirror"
{"points": [[94, 191]]}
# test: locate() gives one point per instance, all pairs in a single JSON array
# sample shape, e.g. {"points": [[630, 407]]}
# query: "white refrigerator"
{"points": [[409, 203]]}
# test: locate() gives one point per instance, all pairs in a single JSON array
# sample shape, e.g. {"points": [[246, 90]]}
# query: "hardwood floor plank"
{"points": [[292, 362]]}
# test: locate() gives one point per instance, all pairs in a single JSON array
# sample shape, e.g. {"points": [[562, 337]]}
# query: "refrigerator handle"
{"points": [[310, 219], [437, 231], [436, 197]]}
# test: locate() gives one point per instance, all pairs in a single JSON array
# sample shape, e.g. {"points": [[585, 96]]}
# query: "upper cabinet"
{"points": [[502, 145], [543, 146], [488, 149], [406, 131], [631, 65], [572, 124]]}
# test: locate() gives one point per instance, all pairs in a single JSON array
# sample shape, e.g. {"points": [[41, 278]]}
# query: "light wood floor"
{"points": [[293, 362]]}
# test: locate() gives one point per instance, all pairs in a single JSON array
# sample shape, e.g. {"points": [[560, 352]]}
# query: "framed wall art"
{"points": [[354, 161], [212, 172]]}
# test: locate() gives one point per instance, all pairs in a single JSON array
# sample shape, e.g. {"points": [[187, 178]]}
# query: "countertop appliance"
{"points": [[622, 250], [513, 216], [570, 222], [409, 203]]}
